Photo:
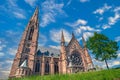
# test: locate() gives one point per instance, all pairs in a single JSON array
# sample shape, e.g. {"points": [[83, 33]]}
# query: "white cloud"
{"points": [[56, 35], [116, 62], [86, 35], [10, 7], [77, 23], [31, 2], [118, 52], [4, 74], [117, 9], [1, 54], [83, 1], [12, 51], [2, 46], [80, 26], [99, 63], [19, 15], [55, 47], [101, 18], [102, 9], [13, 35], [106, 26], [5, 67], [46, 19], [42, 40], [113, 20], [50, 11], [117, 38], [13, 2], [82, 29]]}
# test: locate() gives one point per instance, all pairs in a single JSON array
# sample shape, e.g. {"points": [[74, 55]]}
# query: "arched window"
{"points": [[37, 66], [76, 62], [76, 59], [26, 50], [30, 33], [47, 67], [56, 67]]}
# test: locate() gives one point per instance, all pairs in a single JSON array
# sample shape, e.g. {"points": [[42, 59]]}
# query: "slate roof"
{"points": [[48, 51]]}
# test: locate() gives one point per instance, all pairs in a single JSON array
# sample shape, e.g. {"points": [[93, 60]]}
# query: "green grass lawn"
{"points": [[113, 74]]}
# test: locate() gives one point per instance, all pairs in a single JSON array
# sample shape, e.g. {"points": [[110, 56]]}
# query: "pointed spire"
{"points": [[62, 37], [35, 15], [73, 36], [24, 64], [83, 40]]}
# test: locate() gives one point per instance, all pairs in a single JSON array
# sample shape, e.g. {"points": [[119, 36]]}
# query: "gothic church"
{"points": [[32, 60]]}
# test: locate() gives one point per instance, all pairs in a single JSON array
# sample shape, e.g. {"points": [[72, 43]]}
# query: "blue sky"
{"points": [[78, 16]]}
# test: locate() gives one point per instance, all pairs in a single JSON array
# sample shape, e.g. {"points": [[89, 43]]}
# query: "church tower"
{"points": [[23, 63]]}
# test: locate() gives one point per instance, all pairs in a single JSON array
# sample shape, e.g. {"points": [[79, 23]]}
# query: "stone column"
{"points": [[52, 66], [43, 66]]}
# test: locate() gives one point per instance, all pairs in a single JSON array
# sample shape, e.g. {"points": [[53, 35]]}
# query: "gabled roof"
{"points": [[73, 41], [24, 64]]}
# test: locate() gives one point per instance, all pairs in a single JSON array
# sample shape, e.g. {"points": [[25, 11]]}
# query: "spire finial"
{"points": [[83, 40], [62, 37], [73, 35], [36, 13]]}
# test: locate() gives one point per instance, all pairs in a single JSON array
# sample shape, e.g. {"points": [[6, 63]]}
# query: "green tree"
{"points": [[103, 48]]}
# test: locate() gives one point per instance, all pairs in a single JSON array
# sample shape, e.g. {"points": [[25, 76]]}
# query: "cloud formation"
{"points": [[56, 35], [102, 9], [12, 8], [31, 2], [80, 28], [111, 20], [42, 40], [19, 15], [77, 23], [50, 12]]}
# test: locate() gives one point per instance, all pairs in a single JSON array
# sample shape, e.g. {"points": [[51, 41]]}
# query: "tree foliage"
{"points": [[102, 47]]}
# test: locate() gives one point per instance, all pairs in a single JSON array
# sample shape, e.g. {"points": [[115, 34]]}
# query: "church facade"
{"points": [[30, 60]]}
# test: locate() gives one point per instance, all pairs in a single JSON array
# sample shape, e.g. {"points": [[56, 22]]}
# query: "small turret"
{"points": [[62, 39], [62, 59], [73, 36], [84, 42]]}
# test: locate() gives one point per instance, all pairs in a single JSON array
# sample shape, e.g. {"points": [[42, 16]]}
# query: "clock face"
{"points": [[76, 59]]}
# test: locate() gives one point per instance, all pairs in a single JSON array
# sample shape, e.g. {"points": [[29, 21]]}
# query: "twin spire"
{"points": [[73, 36], [35, 16], [62, 37]]}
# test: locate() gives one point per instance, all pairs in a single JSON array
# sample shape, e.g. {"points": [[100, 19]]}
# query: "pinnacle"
{"points": [[62, 37]]}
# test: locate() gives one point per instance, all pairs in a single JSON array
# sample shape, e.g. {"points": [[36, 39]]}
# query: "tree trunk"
{"points": [[106, 64]]}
